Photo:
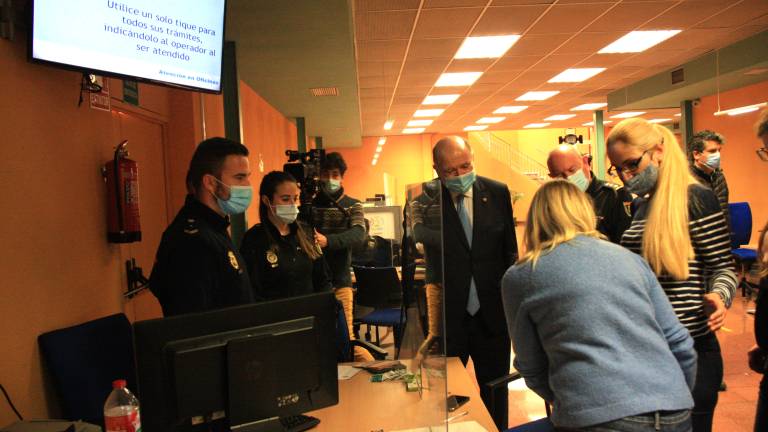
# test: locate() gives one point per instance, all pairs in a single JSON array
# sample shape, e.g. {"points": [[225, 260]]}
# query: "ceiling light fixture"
{"points": [[575, 75], [382, 141], [537, 95], [628, 114], [605, 122], [678, 115], [413, 130], [510, 109], [660, 120], [440, 99], [428, 112], [388, 124], [373, 162], [589, 106], [490, 120], [485, 46], [560, 117], [457, 79], [741, 110], [536, 125], [476, 128], [417, 123], [638, 41]]}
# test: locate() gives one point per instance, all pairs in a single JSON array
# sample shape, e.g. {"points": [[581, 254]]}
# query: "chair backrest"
{"points": [[377, 287], [84, 360], [741, 223]]}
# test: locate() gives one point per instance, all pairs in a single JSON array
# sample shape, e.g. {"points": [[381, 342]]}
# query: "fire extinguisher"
{"points": [[122, 178]]}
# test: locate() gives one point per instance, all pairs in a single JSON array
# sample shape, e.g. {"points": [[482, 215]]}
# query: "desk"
{"points": [[365, 406]]}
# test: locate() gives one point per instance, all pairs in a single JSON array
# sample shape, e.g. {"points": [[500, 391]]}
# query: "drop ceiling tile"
{"points": [[368, 69], [496, 77], [537, 44], [605, 60], [444, 23], [381, 50], [415, 91], [694, 38], [737, 15], [516, 63], [567, 18], [379, 5], [370, 81], [434, 48], [432, 66], [385, 25], [588, 43], [628, 16], [560, 62], [522, 2], [507, 20], [432, 4], [687, 14], [470, 65], [418, 79]]}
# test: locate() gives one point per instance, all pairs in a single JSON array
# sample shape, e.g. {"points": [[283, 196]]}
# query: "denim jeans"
{"points": [[761, 417], [677, 421], [709, 375]]}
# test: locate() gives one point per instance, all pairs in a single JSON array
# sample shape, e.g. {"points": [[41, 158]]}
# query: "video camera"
{"points": [[305, 168]]}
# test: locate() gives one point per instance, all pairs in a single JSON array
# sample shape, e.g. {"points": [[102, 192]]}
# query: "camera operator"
{"points": [[339, 227]]}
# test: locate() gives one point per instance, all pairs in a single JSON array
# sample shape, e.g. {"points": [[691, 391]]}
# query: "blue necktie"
{"points": [[473, 303]]}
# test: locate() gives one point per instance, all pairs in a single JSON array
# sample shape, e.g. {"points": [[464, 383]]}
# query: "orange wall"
{"points": [[747, 176], [267, 134]]}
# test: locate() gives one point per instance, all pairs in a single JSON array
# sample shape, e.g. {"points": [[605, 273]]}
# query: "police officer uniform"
{"points": [[280, 268], [197, 267], [612, 206]]}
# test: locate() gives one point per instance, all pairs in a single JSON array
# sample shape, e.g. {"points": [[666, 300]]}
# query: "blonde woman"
{"points": [[593, 332], [679, 228]]}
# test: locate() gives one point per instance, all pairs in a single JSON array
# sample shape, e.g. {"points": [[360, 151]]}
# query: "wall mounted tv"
{"points": [[171, 42]]}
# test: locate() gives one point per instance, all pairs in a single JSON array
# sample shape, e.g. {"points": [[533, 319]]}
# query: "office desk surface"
{"points": [[369, 407]]}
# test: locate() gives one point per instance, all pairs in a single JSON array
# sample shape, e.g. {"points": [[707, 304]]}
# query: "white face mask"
{"points": [[333, 185], [286, 212]]}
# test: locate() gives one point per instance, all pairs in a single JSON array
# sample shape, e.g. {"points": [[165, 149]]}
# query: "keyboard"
{"points": [[298, 423]]}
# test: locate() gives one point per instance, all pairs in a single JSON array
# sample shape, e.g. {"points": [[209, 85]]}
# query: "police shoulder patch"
{"points": [[191, 227]]}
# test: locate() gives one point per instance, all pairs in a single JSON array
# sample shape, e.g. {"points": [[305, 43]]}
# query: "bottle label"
{"points": [[130, 422]]}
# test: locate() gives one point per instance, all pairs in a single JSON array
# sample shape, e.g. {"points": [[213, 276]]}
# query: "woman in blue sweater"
{"points": [[592, 331]]}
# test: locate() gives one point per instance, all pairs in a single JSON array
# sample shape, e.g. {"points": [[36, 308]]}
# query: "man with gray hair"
{"points": [[611, 201], [704, 155], [479, 245]]}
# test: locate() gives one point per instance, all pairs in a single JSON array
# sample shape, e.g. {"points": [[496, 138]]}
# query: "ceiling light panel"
{"points": [[575, 75], [428, 112], [638, 41], [413, 130], [510, 109], [476, 128], [491, 120], [660, 120], [382, 140], [537, 95], [741, 110], [440, 99], [589, 107], [388, 124], [457, 79], [417, 123], [560, 117], [628, 114], [536, 125], [605, 122], [485, 46]]}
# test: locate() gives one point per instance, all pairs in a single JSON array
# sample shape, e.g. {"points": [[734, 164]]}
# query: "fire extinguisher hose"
{"points": [[119, 152]]}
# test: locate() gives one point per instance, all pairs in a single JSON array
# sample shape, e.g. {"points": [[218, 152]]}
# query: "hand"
{"points": [[756, 358], [715, 310], [321, 239]]}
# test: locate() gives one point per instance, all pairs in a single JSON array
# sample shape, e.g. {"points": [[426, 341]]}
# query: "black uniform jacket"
{"points": [[282, 270], [197, 268], [612, 206]]}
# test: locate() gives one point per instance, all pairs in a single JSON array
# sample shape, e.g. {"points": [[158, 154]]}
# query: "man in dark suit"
{"points": [[479, 244]]}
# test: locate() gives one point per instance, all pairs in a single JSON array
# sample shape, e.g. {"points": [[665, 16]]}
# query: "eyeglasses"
{"points": [[762, 153], [628, 167]]}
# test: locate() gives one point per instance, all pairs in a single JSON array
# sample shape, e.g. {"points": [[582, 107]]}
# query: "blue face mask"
{"points": [[461, 184], [713, 160], [644, 181], [286, 212], [579, 179], [239, 199], [333, 185]]}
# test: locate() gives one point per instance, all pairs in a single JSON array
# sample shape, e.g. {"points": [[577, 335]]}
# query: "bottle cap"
{"points": [[118, 384]]}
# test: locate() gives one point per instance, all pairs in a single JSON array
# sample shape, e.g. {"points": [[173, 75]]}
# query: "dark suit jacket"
{"points": [[494, 249]]}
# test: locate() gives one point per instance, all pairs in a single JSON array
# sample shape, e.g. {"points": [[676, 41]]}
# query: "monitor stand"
{"points": [[271, 424]]}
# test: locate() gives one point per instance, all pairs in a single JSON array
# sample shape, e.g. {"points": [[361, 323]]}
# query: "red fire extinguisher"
{"points": [[122, 178]]}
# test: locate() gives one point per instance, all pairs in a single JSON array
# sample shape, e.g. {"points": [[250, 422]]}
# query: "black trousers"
{"points": [[709, 375], [490, 353]]}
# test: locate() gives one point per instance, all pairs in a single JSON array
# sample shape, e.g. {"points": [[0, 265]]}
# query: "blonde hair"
{"points": [[666, 240], [559, 212]]}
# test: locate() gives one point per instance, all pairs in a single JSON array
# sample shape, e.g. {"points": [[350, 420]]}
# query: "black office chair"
{"points": [[380, 289], [500, 384], [741, 232], [345, 347], [84, 360]]}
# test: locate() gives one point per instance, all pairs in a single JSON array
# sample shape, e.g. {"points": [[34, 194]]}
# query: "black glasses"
{"points": [[762, 153], [628, 167]]}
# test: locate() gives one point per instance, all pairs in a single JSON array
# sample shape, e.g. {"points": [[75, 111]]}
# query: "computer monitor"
{"points": [[238, 368]]}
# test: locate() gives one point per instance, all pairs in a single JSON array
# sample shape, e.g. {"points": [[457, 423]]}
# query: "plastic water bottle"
{"points": [[121, 410]]}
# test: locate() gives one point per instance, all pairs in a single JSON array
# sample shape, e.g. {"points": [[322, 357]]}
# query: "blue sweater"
{"points": [[594, 334]]}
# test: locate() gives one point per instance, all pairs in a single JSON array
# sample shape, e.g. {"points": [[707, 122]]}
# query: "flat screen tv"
{"points": [[171, 42]]}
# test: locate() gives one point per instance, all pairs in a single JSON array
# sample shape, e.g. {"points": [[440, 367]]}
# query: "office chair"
{"points": [[500, 384], [378, 252], [380, 289], [345, 347], [84, 360], [741, 232]]}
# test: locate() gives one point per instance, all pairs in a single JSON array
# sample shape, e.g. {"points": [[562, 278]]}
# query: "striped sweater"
{"points": [[711, 269], [716, 182]]}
